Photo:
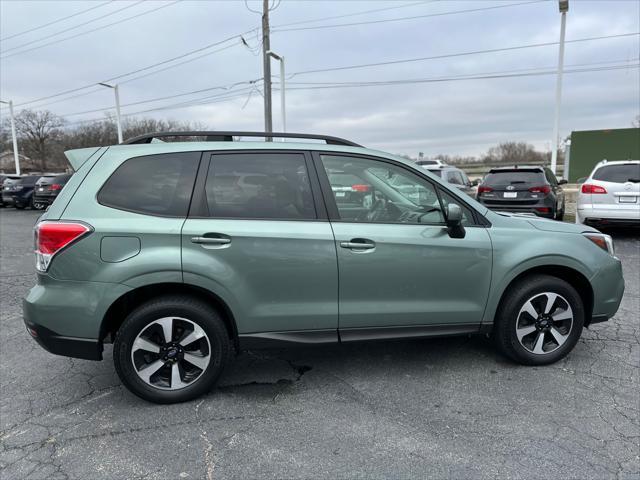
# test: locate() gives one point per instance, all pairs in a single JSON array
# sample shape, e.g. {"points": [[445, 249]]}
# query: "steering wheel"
{"points": [[378, 210]]}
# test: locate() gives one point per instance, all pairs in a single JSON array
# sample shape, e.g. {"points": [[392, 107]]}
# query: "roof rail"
{"points": [[212, 136]]}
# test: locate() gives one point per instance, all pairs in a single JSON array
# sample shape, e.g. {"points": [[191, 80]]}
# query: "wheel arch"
{"points": [[573, 277], [116, 313]]}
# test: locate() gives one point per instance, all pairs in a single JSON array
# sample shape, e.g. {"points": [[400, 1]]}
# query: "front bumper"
{"points": [[608, 289], [7, 199]]}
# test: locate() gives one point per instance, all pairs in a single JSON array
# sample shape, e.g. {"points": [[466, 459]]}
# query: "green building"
{"points": [[588, 147]]}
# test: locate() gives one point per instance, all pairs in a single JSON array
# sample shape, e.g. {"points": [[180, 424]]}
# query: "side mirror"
{"points": [[562, 182], [475, 183], [454, 221]]}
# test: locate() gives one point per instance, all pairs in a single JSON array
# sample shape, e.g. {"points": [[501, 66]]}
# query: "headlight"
{"points": [[605, 242]]}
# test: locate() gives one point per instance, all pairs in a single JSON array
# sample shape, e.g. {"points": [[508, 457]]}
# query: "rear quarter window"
{"points": [[155, 184], [629, 172]]}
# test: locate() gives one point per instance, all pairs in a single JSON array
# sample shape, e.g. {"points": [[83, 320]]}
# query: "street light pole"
{"points": [[266, 69], [117, 95], [16, 158], [564, 8], [282, 89]]}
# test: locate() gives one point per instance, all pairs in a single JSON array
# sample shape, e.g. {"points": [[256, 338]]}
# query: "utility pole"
{"points": [[16, 158], [564, 7], [266, 69], [119, 125], [283, 110]]}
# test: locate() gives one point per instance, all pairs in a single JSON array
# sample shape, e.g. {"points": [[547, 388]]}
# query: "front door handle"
{"points": [[359, 244], [210, 240]]}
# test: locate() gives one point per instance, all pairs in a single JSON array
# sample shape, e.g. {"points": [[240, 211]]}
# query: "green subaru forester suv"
{"points": [[182, 252]]}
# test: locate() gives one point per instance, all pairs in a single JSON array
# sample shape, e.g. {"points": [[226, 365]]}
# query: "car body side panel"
{"points": [[275, 275]]}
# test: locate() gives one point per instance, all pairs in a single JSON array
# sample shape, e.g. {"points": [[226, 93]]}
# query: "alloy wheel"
{"points": [[171, 353], [544, 323]]}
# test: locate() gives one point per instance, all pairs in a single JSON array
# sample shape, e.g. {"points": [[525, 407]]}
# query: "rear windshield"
{"points": [[28, 180], [627, 172], [508, 177]]}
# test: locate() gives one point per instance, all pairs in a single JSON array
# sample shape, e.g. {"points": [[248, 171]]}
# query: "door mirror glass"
{"points": [[454, 221], [475, 183], [562, 182]]}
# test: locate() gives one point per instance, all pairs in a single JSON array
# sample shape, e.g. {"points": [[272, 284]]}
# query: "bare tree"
{"points": [[38, 132]]}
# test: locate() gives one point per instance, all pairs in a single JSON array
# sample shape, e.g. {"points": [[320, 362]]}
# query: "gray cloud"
{"points": [[461, 117]]}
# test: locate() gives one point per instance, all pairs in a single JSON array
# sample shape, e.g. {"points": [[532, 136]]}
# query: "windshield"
{"points": [[627, 172]]}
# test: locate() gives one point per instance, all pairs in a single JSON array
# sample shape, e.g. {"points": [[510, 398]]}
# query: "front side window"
{"points": [[380, 192], [259, 186], [154, 184], [467, 216]]}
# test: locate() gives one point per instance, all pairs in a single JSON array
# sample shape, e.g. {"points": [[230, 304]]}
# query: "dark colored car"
{"points": [[523, 190], [20, 193], [453, 176], [47, 189], [8, 179]]}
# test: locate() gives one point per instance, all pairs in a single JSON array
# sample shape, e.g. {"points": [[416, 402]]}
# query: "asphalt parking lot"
{"points": [[443, 408]]}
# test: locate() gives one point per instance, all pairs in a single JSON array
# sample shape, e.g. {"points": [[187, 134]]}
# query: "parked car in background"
{"points": [[8, 179], [455, 177], [523, 189], [20, 192], [610, 195], [147, 249], [348, 188], [431, 162], [47, 189]]}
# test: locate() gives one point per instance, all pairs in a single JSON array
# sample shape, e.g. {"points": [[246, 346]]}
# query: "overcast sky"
{"points": [[449, 116]]}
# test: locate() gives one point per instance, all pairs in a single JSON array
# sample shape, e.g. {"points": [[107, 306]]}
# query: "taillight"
{"points": [[52, 237], [55, 186], [483, 189], [541, 189], [360, 188], [589, 188], [543, 209]]}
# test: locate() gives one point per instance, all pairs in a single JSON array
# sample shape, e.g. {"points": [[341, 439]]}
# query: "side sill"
{"points": [[283, 339], [412, 331], [331, 336]]}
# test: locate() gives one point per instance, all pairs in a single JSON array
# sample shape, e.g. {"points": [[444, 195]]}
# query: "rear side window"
{"points": [[259, 186], [154, 184], [628, 172]]}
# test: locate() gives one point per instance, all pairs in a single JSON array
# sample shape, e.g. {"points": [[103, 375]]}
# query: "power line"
{"points": [[56, 21], [414, 17], [94, 30], [46, 37], [458, 54], [148, 67], [193, 92], [335, 17], [457, 78], [356, 84]]}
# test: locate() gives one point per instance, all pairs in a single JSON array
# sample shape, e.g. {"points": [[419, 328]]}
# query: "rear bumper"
{"points": [[85, 348], [528, 209], [593, 215], [45, 199]]}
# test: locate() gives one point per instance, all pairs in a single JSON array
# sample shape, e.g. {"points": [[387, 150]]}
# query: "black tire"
{"points": [[181, 306], [19, 206], [504, 332]]}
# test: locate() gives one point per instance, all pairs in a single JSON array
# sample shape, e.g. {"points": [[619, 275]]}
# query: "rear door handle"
{"points": [[359, 244], [210, 240]]}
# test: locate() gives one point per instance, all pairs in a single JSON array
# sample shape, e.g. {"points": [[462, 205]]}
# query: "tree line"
{"points": [[44, 137]]}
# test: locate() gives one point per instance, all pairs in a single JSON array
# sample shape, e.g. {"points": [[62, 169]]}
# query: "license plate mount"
{"points": [[627, 199], [510, 195]]}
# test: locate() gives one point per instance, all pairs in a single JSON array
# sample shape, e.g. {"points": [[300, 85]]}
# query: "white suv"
{"points": [[611, 195]]}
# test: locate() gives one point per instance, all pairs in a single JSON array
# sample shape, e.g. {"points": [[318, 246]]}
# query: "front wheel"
{"points": [[171, 350], [539, 321]]}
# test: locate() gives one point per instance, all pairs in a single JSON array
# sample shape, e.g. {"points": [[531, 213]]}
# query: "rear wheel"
{"points": [[171, 349], [540, 320]]}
